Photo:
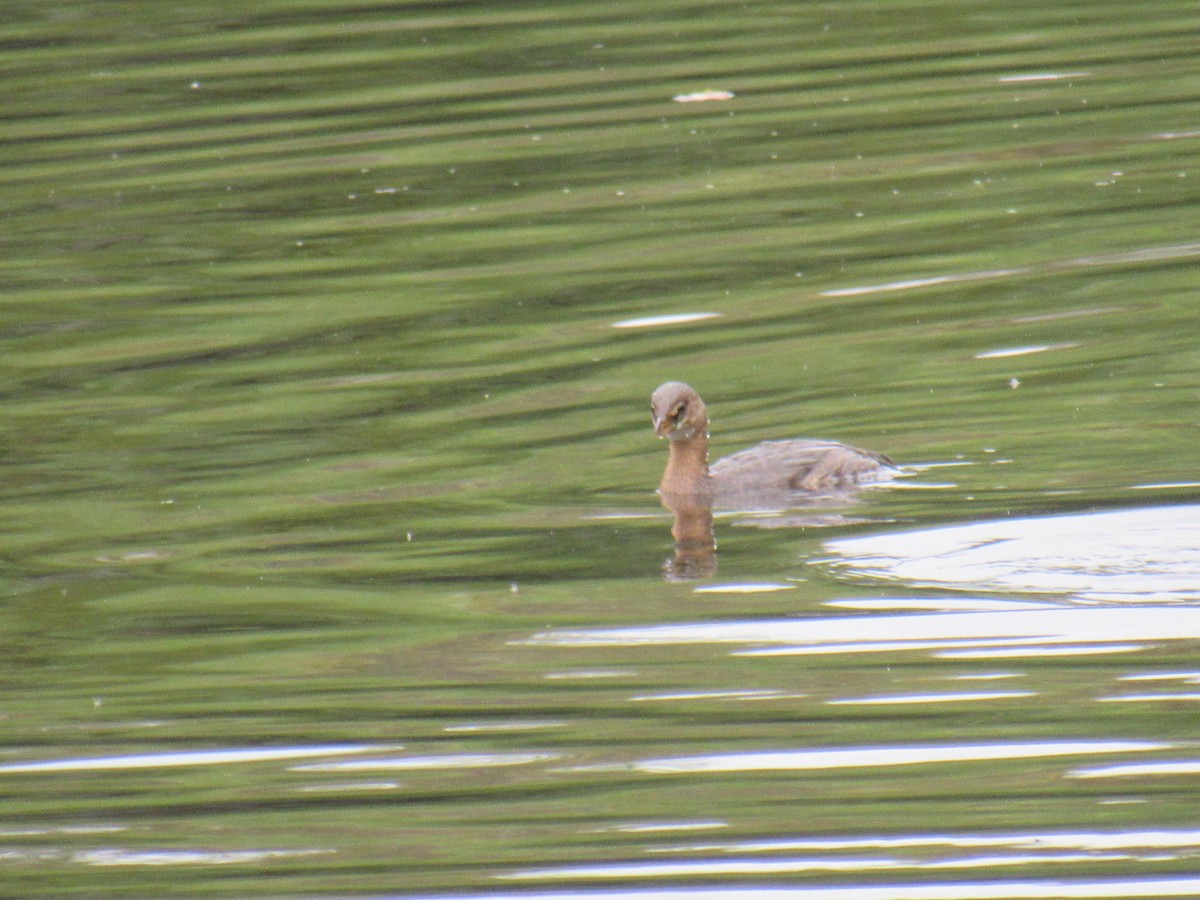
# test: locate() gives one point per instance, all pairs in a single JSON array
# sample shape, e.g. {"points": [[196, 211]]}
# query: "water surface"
{"points": [[332, 563]]}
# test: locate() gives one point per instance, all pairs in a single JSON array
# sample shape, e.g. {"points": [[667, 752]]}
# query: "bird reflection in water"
{"points": [[771, 475]]}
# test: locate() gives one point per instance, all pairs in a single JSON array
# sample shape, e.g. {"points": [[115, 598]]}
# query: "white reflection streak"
{"points": [[450, 761], [963, 890], [912, 283], [1148, 698], [1147, 254], [585, 674], [1031, 651], [780, 866], [743, 588], [669, 319], [1162, 676], [989, 862], [1140, 555], [1061, 625], [348, 787], [932, 698], [1131, 769], [473, 727], [62, 829], [860, 757], [876, 647], [1083, 840], [716, 695], [189, 758], [703, 867], [186, 857], [647, 827], [1008, 352], [1041, 76], [940, 604]]}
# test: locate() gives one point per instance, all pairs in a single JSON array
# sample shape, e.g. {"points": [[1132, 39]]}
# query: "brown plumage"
{"points": [[770, 470]]}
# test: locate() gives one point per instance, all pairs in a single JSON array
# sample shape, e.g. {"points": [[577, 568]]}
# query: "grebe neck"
{"points": [[687, 466]]}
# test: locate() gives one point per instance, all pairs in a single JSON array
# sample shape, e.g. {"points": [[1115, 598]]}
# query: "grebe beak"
{"points": [[662, 425]]}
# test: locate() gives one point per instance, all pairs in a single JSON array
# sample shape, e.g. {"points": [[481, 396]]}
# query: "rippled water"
{"points": [[332, 562]]}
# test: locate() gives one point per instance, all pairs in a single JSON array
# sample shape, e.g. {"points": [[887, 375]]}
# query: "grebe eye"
{"points": [[679, 412]]}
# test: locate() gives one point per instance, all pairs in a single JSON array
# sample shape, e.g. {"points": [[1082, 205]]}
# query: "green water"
{"points": [[316, 412]]}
